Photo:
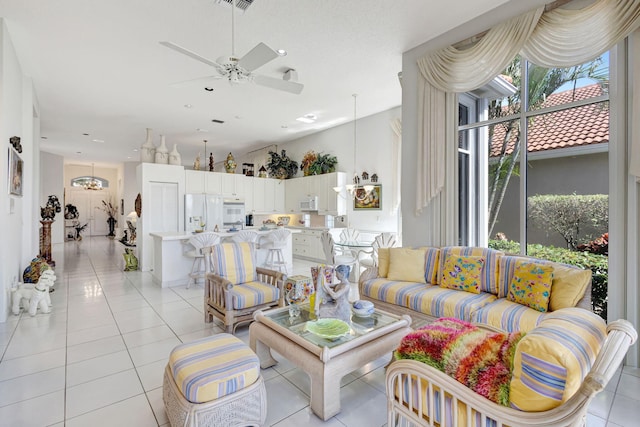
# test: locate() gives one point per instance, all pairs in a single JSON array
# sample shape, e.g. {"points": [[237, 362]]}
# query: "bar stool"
{"points": [[275, 258], [199, 266], [248, 236]]}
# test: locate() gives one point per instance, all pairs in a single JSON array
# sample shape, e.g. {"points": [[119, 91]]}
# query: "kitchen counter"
{"points": [[171, 267]]}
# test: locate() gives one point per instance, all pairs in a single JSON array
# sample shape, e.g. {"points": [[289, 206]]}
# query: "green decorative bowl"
{"points": [[329, 328]]}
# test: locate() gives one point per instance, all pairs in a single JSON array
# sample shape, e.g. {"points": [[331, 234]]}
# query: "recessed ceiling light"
{"points": [[307, 118], [284, 126], [43, 137], [128, 157], [135, 150], [281, 52], [188, 106], [78, 152], [208, 89], [217, 121], [85, 134], [98, 140], [201, 130]]}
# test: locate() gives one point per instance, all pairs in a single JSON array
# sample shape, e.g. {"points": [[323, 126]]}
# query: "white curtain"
{"points": [[634, 160], [558, 38]]}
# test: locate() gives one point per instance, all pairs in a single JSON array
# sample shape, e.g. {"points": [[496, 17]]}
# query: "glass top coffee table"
{"points": [[326, 361]]}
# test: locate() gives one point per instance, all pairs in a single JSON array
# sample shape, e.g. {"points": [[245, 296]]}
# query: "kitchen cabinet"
{"points": [[308, 245], [329, 202], [268, 195], [202, 182]]}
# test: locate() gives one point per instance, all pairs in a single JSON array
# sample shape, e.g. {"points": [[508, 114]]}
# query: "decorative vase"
{"points": [[174, 156], [162, 152], [148, 150], [111, 221], [230, 164]]}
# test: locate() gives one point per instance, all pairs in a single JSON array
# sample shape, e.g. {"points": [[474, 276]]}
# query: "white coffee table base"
{"points": [[325, 372]]}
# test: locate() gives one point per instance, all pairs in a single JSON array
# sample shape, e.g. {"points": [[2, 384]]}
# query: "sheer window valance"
{"points": [[558, 38]]}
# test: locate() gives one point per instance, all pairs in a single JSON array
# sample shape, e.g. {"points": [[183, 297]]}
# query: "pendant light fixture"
{"points": [[93, 183]]}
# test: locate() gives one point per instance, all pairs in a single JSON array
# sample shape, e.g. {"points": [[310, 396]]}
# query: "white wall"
{"points": [[17, 225], [374, 153], [130, 188]]}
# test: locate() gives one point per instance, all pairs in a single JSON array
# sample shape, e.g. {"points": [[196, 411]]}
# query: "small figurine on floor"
{"points": [[332, 299], [34, 296], [131, 261]]}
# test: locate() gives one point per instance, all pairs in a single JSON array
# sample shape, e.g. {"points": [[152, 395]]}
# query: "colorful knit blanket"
{"points": [[479, 359]]}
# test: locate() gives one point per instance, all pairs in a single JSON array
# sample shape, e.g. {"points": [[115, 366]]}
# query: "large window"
{"points": [[556, 122]]}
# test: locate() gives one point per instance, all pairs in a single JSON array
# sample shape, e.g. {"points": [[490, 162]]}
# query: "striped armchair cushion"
{"points": [[390, 291], [439, 302], [508, 316], [235, 262], [251, 294], [213, 367], [489, 277], [551, 361]]}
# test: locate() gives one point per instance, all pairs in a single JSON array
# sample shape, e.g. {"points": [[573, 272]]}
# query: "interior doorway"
{"points": [[89, 204]]}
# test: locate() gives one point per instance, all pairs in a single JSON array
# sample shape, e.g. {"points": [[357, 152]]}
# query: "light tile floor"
{"points": [[97, 359]]}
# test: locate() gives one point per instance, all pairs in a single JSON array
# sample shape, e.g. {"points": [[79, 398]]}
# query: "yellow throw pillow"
{"points": [[406, 265], [383, 262], [462, 273], [531, 285], [568, 287]]}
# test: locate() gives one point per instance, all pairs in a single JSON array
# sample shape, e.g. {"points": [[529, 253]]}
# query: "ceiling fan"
{"points": [[240, 70]]}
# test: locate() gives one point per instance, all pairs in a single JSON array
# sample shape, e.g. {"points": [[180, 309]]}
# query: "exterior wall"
{"points": [[584, 174]]}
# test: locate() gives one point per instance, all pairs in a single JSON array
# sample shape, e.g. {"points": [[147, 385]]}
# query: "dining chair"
{"points": [[382, 240], [332, 257], [199, 266]]}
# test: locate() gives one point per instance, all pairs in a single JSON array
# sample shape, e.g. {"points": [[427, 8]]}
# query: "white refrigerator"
{"points": [[202, 212]]}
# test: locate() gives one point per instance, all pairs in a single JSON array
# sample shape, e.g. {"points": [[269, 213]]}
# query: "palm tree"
{"points": [[542, 83]]}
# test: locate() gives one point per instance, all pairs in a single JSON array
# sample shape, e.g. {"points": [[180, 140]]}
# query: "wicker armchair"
{"points": [[237, 288], [406, 403]]}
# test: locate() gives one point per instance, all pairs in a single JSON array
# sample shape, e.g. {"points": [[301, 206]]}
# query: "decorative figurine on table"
{"points": [[332, 293], [196, 164]]}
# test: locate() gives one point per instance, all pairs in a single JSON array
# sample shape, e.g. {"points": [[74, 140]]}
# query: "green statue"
{"points": [[131, 262]]}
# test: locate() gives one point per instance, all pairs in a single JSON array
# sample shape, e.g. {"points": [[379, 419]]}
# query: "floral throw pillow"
{"points": [[531, 285], [463, 273]]}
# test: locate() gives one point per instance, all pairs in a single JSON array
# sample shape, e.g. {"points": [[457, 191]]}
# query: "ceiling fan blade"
{"points": [[191, 82], [287, 86], [257, 57], [191, 54]]}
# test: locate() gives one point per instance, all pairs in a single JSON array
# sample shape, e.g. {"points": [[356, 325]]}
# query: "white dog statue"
{"points": [[34, 295]]}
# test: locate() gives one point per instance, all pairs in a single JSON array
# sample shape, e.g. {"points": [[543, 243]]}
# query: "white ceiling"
{"points": [[97, 68]]}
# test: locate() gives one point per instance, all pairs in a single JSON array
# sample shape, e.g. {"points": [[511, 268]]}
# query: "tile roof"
{"points": [[586, 125]]}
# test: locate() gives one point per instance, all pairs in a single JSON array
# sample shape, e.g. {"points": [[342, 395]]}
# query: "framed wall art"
{"points": [[372, 201], [15, 173]]}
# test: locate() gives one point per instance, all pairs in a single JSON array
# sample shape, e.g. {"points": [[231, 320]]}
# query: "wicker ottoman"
{"points": [[214, 381]]}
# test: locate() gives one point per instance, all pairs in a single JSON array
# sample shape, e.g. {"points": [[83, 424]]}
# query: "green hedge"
{"points": [[598, 264]]}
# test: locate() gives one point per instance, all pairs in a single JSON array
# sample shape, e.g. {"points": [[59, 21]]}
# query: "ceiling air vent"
{"points": [[240, 4], [217, 121]]}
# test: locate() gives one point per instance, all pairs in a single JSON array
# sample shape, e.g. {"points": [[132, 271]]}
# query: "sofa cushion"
{"points": [[383, 262], [394, 292], [569, 285], [569, 282], [462, 273], [531, 285], [431, 262], [235, 262], [251, 294], [439, 302], [508, 316], [551, 361], [488, 281], [407, 265]]}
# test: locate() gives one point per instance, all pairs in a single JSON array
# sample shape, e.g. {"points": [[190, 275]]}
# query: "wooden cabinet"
{"points": [[307, 244]]}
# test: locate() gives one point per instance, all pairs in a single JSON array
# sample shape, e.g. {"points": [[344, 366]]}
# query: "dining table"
{"points": [[358, 248]]}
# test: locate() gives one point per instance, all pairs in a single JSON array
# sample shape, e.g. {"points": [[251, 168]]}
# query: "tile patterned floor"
{"points": [[97, 359]]}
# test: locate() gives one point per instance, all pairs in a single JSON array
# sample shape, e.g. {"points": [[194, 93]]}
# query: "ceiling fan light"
{"points": [[233, 77]]}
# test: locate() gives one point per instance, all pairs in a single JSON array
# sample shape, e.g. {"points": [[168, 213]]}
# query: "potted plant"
{"points": [[324, 163], [281, 166], [309, 158], [111, 210]]}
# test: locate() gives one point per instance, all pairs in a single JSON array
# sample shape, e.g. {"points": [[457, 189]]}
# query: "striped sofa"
{"points": [[411, 283]]}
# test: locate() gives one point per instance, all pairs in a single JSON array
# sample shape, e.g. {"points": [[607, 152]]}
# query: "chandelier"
{"points": [[355, 190], [93, 183]]}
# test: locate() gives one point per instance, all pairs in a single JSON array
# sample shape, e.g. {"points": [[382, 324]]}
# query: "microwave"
{"points": [[309, 204]]}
